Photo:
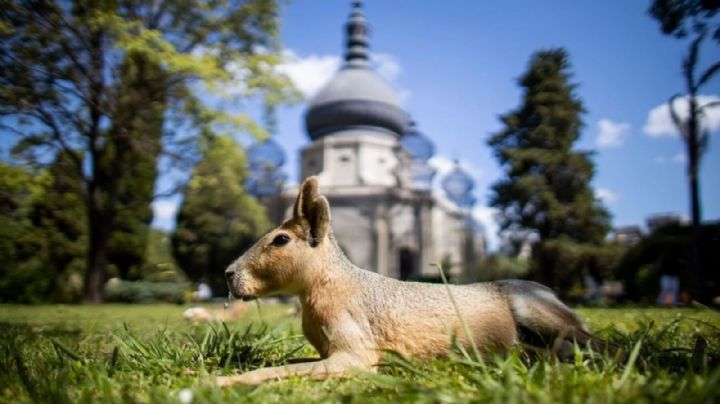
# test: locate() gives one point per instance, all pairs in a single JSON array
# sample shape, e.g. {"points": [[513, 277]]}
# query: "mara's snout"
{"points": [[237, 284]]}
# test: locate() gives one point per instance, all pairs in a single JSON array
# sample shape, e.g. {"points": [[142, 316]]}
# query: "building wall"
{"points": [[356, 157], [382, 222]]}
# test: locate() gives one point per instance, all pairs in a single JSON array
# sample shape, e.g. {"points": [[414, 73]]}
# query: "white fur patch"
{"points": [[521, 308], [524, 305]]}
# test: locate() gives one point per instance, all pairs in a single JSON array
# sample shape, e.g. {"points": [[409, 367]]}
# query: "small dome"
{"points": [[265, 182], [458, 186], [266, 154], [419, 145]]}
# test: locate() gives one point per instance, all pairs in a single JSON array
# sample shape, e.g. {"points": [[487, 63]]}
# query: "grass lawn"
{"points": [[116, 353]]}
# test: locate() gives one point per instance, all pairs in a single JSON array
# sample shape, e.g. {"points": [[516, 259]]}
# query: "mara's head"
{"points": [[284, 259]]}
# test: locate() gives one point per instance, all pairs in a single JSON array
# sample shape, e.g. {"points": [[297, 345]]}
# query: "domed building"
{"points": [[371, 163]]}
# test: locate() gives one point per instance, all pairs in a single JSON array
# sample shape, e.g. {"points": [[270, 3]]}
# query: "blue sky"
{"points": [[456, 63]]}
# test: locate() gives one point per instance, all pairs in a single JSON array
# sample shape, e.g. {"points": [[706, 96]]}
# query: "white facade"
{"points": [[382, 221]]}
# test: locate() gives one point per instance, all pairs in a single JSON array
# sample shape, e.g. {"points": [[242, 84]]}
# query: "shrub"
{"points": [[119, 291]]}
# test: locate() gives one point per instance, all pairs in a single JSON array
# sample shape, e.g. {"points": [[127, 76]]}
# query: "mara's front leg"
{"points": [[337, 365]]}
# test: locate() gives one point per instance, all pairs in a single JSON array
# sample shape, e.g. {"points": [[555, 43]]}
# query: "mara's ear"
{"points": [[308, 192], [314, 208]]}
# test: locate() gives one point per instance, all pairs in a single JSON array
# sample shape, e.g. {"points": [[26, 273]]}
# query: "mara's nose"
{"points": [[229, 273]]}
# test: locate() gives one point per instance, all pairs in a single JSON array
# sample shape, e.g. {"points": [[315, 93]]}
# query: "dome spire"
{"points": [[356, 28]]}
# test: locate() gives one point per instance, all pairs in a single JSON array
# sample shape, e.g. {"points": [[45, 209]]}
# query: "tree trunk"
{"points": [[699, 289], [97, 248]]}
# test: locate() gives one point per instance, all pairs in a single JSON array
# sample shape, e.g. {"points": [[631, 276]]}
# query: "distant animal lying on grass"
{"points": [[233, 313], [352, 316]]}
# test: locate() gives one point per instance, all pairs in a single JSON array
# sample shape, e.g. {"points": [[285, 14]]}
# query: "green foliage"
{"points": [[137, 128], [101, 80], [217, 220], [570, 261], [546, 193], [149, 354], [499, 266], [680, 17], [61, 219], [43, 247], [160, 265], [119, 291], [21, 277], [668, 250]]}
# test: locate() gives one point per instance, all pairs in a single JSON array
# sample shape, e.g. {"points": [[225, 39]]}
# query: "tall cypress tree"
{"points": [[545, 195], [137, 133]]}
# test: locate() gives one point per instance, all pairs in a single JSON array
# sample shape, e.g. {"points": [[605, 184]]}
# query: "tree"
{"points": [[60, 218], [66, 85], [43, 233], [696, 18], [160, 265], [217, 220], [545, 195], [22, 247], [141, 107]]}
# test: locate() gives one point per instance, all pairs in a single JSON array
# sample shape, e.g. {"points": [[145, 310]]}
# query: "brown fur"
{"points": [[351, 316]]}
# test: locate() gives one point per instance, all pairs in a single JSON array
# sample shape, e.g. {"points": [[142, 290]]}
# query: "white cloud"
{"points": [[679, 158], [309, 73], [389, 68], [611, 134], [386, 65], [444, 165], [606, 195], [164, 212], [659, 122]]}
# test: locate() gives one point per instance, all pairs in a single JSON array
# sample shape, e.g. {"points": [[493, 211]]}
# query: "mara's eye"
{"points": [[280, 240]]}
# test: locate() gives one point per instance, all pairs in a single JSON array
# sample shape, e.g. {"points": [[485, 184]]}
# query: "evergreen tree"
{"points": [[137, 128], [545, 195], [217, 220]]}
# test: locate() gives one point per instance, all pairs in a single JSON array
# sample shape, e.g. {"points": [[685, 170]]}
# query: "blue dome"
{"points": [[458, 186], [419, 145], [266, 154], [265, 182]]}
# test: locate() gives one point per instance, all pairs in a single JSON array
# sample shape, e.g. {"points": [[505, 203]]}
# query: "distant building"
{"points": [[633, 234], [371, 164], [658, 220], [628, 236]]}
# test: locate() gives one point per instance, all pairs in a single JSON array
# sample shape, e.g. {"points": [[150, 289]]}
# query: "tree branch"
{"points": [[679, 123], [707, 75]]}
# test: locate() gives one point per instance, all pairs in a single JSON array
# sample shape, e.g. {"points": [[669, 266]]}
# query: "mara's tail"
{"points": [[544, 321]]}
